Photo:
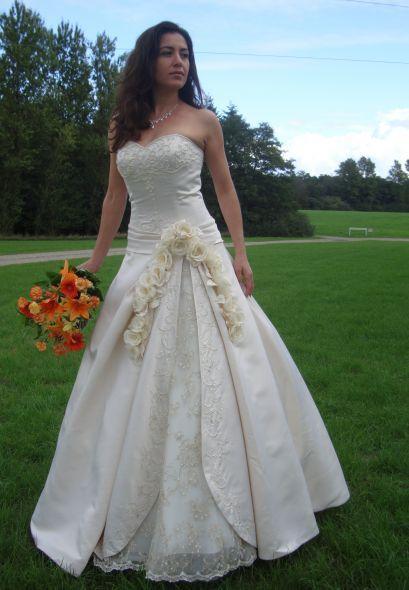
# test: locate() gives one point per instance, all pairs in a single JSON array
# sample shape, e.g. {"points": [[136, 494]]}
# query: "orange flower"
{"points": [[60, 349], [60, 311], [74, 340], [64, 271], [23, 304], [50, 307], [36, 292], [76, 308], [68, 280], [56, 329], [39, 318], [68, 286], [93, 301], [53, 293]]}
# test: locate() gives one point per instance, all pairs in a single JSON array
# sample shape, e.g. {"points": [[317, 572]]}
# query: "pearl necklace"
{"points": [[154, 122]]}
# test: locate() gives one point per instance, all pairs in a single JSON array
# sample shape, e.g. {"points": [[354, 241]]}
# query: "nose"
{"points": [[178, 60]]}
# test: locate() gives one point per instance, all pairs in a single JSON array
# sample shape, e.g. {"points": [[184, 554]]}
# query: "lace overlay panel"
{"points": [[219, 450], [184, 536]]}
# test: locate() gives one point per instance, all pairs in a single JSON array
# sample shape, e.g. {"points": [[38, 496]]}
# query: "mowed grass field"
{"points": [[341, 309], [336, 223], [331, 223]]}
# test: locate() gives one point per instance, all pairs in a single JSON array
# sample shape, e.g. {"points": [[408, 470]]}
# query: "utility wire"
{"points": [[377, 3], [306, 57], [380, 61]]}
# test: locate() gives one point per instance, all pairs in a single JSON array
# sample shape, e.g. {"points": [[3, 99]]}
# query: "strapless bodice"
{"points": [[164, 185]]}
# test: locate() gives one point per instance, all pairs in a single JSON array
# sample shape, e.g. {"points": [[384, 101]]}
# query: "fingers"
{"points": [[245, 277], [249, 287], [247, 281]]}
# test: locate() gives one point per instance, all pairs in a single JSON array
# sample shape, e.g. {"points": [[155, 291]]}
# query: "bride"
{"points": [[190, 444]]}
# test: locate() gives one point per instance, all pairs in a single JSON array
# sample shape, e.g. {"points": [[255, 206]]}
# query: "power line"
{"points": [[306, 57], [377, 3], [381, 61]]}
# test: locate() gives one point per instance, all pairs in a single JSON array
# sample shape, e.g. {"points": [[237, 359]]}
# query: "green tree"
{"points": [[263, 178], [397, 174], [366, 167], [399, 187], [24, 67], [105, 70], [350, 182]]}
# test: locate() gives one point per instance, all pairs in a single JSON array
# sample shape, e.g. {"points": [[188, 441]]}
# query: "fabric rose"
{"points": [[163, 257], [179, 239], [197, 252]]}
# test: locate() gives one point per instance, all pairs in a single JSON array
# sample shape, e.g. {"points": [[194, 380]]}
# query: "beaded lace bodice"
{"points": [[163, 181]]}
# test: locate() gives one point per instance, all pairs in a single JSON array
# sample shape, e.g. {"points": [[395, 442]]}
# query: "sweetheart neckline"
{"points": [[144, 147]]}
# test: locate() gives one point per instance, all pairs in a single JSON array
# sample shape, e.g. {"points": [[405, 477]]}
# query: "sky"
{"points": [[322, 110]]}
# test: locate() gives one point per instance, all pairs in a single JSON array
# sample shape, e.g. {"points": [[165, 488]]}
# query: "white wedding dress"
{"points": [[202, 451]]}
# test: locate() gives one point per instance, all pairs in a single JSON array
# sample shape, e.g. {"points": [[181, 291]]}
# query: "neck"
{"points": [[164, 100]]}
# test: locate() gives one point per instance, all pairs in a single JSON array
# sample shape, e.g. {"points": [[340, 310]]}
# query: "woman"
{"points": [[190, 444]]}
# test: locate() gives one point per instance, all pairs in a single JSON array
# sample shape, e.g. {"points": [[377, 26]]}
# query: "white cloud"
{"points": [[387, 141]]}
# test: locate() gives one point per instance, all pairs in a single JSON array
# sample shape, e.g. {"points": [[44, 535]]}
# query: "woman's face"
{"points": [[173, 57]]}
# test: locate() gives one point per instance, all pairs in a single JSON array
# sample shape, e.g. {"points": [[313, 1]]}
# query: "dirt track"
{"points": [[8, 259]]}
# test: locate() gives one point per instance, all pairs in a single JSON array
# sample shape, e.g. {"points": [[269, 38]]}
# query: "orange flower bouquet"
{"points": [[61, 307]]}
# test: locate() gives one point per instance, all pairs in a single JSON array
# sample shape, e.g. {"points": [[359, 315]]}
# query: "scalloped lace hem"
{"points": [[107, 565]]}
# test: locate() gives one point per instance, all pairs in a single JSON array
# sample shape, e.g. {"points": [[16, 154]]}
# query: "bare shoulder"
{"points": [[209, 119], [206, 118], [210, 127]]}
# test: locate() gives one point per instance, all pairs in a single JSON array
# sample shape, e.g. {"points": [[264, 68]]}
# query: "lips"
{"points": [[176, 73]]}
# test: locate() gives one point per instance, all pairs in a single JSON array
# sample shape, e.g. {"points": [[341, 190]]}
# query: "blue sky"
{"points": [[322, 111]]}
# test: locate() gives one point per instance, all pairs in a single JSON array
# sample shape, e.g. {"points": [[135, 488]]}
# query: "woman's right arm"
{"points": [[113, 209]]}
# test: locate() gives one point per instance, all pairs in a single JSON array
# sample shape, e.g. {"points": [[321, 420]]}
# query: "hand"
{"points": [[244, 273], [89, 265]]}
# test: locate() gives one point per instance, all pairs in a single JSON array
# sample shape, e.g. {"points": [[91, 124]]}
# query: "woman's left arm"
{"points": [[215, 158]]}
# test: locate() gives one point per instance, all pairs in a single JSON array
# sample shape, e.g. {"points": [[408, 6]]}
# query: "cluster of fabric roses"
{"points": [[179, 239], [62, 309]]}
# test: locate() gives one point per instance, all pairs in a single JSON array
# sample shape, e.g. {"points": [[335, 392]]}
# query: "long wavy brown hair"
{"points": [[134, 99]]}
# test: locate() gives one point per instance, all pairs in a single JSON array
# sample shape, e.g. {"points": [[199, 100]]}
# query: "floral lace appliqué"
{"points": [[184, 535]]}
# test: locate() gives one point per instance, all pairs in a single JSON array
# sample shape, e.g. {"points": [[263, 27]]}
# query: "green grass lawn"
{"points": [[332, 223], [24, 246], [336, 223], [341, 309]]}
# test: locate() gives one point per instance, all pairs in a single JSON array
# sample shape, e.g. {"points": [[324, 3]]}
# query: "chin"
{"points": [[172, 84]]}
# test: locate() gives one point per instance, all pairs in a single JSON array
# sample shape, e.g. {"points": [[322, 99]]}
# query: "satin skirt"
{"points": [[199, 458]]}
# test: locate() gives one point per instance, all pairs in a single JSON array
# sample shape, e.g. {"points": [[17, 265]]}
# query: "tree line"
{"points": [[56, 94], [355, 186]]}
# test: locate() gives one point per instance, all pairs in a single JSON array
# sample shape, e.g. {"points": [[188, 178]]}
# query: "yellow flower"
{"points": [[81, 283], [34, 307]]}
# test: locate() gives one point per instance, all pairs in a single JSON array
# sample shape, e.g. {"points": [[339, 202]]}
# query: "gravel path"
{"points": [[8, 259]]}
